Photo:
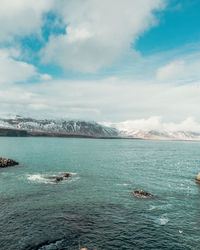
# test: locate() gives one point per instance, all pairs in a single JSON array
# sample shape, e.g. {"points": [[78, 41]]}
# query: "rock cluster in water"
{"points": [[5, 162], [59, 178], [142, 194], [197, 179]]}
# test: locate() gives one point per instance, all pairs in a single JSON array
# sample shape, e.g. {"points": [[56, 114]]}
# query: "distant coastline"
{"points": [[8, 132], [29, 127], [25, 133]]}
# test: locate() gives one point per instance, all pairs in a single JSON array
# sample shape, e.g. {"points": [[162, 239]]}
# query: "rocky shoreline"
{"points": [[5, 162], [197, 179], [56, 179], [26, 133], [142, 194]]}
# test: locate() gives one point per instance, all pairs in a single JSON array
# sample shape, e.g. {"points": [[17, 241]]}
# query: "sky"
{"points": [[109, 61]]}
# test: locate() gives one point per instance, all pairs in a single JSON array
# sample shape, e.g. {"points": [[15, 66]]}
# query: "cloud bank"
{"points": [[156, 124], [99, 32], [110, 99], [96, 33], [89, 36], [21, 18], [13, 70], [181, 68]]}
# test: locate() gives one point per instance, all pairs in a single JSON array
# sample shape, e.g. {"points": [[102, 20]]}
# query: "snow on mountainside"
{"points": [[71, 127], [92, 129], [162, 135], [153, 129]]}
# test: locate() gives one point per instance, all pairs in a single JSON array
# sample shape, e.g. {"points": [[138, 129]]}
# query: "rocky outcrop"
{"points": [[65, 175], [13, 132], [5, 162], [56, 179], [197, 179], [142, 194], [19, 126]]}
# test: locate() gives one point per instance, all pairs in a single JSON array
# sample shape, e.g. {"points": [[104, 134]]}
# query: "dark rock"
{"points": [[55, 178], [197, 179], [65, 175], [59, 178], [142, 194], [5, 162]]}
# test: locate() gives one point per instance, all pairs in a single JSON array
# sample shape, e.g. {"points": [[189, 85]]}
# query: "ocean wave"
{"points": [[51, 245], [39, 179], [162, 220], [152, 207], [160, 207], [123, 184], [47, 178]]}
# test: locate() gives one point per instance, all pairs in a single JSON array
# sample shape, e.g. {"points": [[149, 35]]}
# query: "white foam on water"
{"points": [[159, 207], [38, 178], [49, 246], [69, 180], [44, 178], [152, 207], [60, 173], [164, 221], [73, 173], [123, 184], [161, 220]]}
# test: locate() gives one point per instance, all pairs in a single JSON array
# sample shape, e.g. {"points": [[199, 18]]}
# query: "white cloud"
{"points": [[189, 124], [13, 70], [184, 67], [141, 124], [39, 106], [21, 17], [110, 99], [98, 32], [171, 71], [45, 77], [156, 123]]}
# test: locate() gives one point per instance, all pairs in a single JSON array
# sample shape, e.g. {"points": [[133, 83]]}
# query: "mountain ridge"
{"points": [[21, 126], [57, 127]]}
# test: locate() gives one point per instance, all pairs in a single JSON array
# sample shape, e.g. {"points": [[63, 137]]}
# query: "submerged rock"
{"points": [[65, 175], [5, 162], [197, 179], [55, 178], [142, 194], [59, 178]]}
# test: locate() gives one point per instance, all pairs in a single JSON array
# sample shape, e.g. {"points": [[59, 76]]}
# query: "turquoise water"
{"points": [[95, 207]]}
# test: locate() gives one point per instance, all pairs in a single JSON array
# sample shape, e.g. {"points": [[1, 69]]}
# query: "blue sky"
{"points": [[178, 26], [108, 60]]}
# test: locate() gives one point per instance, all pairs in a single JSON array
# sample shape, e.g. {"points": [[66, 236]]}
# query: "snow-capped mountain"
{"points": [[161, 135], [137, 130], [20, 126], [61, 127]]}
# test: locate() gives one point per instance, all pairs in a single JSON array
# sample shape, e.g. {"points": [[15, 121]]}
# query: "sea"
{"points": [[95, 208]]}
